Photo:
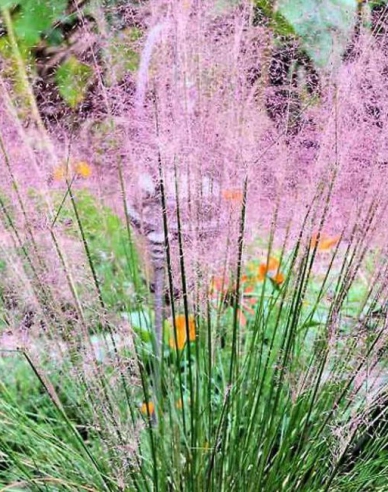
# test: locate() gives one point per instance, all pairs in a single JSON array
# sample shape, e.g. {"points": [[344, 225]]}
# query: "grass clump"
{"points": [[280, 402], [226, 328]]}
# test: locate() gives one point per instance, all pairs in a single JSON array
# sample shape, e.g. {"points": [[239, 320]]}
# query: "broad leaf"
{"points": [[36, 17], [73, 79], [325, 27]]}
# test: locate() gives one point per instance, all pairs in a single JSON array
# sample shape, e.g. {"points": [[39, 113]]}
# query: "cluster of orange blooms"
{"points": [[148, 408], [269, 269], [70, 170], [221, 285]]}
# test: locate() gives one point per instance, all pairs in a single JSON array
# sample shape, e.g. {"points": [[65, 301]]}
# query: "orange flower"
{"points": [[264, 268], [271, 268], [325, 243], [278, 278], [180, 323], [147, 408], [60, 173], [232, 195], [83, 169]]}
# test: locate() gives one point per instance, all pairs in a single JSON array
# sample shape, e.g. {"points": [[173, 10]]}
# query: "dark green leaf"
{"points": [[73, 79], [36, 17]]}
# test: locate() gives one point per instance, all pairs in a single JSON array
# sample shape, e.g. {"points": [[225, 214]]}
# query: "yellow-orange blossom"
{"points": [[181, 331]]}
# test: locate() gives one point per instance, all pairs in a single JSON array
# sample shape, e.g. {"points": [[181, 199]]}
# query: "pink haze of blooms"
{"points": [[212, 123], [195, 110]]}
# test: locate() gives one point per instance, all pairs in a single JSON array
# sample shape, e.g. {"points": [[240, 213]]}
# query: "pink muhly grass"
{"points": [[208, 126], [235, 183]]}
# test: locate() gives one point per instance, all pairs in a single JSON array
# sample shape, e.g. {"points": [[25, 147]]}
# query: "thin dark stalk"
{"points": [[186, 313], [54, 399]]}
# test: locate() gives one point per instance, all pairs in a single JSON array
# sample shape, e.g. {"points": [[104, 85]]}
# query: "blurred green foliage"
{"points": [[121, 54], [113, 255], [35, 28], [33, 18], [324, 27], [73, 78], [275, 19]]}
